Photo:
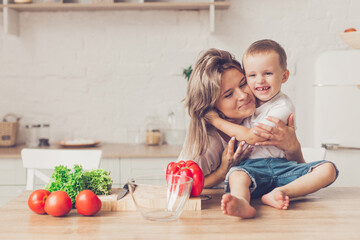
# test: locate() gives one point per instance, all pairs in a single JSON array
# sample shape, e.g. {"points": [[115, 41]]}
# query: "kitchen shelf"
{"points": [[118, 6], [11, 10]]}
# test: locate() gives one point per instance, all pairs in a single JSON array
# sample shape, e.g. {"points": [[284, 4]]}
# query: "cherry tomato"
{"points": [[58, 204], [37, 200], [87, 203]]}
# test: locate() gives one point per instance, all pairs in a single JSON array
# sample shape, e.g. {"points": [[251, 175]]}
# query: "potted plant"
{"points": [[187, 72]]}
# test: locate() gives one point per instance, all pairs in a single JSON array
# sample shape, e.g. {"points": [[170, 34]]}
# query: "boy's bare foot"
{"points": [[238, 207], [276, 199]]}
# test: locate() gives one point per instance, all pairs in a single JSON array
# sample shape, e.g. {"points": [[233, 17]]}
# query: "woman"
{"points": [[218, 82]]}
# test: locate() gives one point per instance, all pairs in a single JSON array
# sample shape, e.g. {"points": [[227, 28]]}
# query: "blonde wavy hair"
{"points": [[202, 92]]}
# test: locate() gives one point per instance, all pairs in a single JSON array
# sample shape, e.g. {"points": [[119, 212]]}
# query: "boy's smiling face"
{"points": [[264, 75]]}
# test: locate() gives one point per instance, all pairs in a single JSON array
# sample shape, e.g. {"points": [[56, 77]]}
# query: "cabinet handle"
{"points": [[334, 146]]}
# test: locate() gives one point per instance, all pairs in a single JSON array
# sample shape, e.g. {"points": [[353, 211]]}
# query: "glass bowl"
{"points": [[160, 198]]}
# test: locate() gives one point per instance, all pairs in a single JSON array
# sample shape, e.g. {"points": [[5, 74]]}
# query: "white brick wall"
{"points": [[92, 74]]}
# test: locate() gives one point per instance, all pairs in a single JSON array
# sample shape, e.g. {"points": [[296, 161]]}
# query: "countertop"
{"points": [[331, 213], [110, 150]]}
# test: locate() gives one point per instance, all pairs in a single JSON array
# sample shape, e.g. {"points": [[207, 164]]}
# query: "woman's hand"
{"points": [[232, 158], [282, 136], [229, 159]]}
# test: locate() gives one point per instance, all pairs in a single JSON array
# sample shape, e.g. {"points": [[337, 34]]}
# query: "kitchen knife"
{"points": [[123, 192]]}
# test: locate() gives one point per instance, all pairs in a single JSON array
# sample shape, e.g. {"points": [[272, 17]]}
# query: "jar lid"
{"points": [[32, 126], [153, 130]]}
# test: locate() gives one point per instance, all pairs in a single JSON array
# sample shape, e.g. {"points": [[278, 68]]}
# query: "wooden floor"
{"points": [[332, 213]]}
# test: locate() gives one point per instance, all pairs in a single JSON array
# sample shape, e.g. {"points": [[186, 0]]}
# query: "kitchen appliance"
{"points": [[336, 112]]}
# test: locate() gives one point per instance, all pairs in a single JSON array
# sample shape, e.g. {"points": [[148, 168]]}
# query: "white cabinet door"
{"points": [[132, 167], [12, 172], [13, 175], [9, 192], [348, 163], [113, 166], [12, 179]]}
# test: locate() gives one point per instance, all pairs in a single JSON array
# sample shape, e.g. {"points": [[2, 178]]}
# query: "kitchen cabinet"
{"points": [[12, 179], [13, 175], [12, 10], [113, 166], [132, 167], [12, 172], [121, 160], [347, 162], [9, 192]]}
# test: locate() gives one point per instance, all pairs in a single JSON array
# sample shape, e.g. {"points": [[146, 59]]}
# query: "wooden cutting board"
{"points": [[155, 198]]}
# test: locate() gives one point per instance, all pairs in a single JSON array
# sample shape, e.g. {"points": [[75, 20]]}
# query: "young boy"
{"points": [[272, 176], [265, 68]]}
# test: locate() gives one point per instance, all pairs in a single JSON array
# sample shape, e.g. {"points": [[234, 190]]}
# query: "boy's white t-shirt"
{"points": [[280, 107]]}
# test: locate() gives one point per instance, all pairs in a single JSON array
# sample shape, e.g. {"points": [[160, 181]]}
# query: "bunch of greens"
{"points": [[73, 182], [98, 181]]}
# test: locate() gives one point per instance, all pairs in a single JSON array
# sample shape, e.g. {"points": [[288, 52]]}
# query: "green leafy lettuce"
{"points": [[73, 182], [98, 181]]}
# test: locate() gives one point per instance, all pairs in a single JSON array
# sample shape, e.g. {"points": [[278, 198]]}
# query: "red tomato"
{"points": [[87, 203], [190, 169], [58, 204], [37, 200]]}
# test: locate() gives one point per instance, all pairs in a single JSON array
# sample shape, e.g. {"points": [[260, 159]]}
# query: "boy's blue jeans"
{"points": [[269, 173]]}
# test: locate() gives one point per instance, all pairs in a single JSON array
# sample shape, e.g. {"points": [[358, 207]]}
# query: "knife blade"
{"points": [[123, 192]]}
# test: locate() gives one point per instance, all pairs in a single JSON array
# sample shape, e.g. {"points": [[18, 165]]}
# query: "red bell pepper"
{"points": [[190, 169]]}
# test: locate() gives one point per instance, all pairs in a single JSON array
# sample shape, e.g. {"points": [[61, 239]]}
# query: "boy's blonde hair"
{"points": [[202, 92], [265, 46]]}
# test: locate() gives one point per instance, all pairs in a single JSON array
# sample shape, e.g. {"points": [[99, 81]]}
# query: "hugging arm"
{"points": [[241, 133], [282, 136]]}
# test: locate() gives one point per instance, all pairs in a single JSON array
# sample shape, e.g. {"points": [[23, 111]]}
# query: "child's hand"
{"points": [[282, 136], [254, 137]]}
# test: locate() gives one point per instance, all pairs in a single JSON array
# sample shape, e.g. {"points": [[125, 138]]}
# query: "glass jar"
{"points": [[175, 132], [32, 135], [44, 134], [154, 132]]}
